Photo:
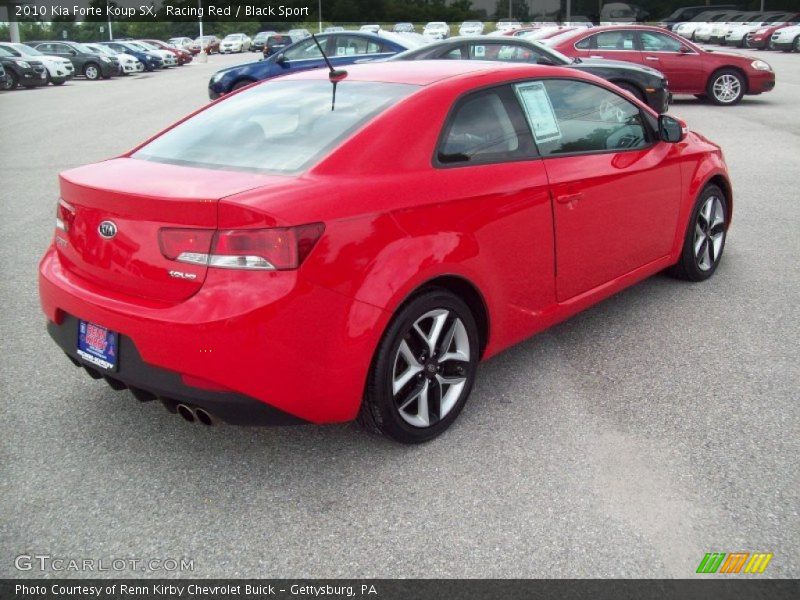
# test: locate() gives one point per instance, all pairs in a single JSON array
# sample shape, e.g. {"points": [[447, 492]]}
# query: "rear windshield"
{"points": [[279, 39], [278, 127]]}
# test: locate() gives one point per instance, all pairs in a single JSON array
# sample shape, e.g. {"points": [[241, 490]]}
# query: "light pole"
{"points": [[202, 57], [320, 16], [108, 14]]}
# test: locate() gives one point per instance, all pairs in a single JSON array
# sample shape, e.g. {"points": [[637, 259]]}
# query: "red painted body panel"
{"points": [[303, 340], [687, 73]]}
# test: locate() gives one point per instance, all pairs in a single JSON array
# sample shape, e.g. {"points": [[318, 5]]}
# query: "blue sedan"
{"points": [[341, 48]]}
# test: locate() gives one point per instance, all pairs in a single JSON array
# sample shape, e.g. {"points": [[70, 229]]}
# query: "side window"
{"points": [[45, 48], [482, 130], [568, 116], [454, 54], [352, 45], [60, 48], [585, 43], [658, 42], [10, 51], [306, 49], [615, 40], [502, 52]]}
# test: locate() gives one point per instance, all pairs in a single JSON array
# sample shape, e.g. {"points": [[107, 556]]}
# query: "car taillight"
{"points": [[65, 215], [273, 249]]}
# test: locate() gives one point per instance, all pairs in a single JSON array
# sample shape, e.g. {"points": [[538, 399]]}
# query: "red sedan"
{"points": [[273, 258], [722, 77], [182, 56]]}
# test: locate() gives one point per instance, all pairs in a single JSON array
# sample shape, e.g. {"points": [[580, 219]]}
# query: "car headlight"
{"points": [[105, 59], [24, 65], [760, 65]]}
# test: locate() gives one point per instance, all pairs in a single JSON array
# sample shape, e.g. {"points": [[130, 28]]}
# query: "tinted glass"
{"points": [[614, 40], [304, 50], [481, 130], [569, 116], [502, 52], [658, 42], [9, 51], [278, 127], [351, 45]]}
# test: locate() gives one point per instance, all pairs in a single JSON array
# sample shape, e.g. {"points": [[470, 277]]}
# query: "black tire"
{"points": [[12, 81], [797, 44], [381, 409], [629, 87], [92, 71], [689, 266], [56, 80], [719, 96]]}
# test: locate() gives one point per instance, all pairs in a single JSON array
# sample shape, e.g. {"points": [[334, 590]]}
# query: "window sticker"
{"points": [[539, 111], [480, 51]]}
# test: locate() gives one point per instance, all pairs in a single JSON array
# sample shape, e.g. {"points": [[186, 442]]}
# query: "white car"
{"points": [[168, 58], [127, 63], [370, 28], [298, 34], [235, 42], [687, 29], [182, 43], [504, 25], [715, 33], [334, 29], [437, 30], [59, 69], [787, 39], [737, 34], [471, 28]]}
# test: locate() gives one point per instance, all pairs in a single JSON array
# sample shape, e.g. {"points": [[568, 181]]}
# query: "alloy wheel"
{"points": [[709, 233], [727, 88], [91, 72], [430, 368]]}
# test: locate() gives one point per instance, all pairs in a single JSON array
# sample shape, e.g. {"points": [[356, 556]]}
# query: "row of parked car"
{"points": [[37, 63], [777, 30], [651, 63]]}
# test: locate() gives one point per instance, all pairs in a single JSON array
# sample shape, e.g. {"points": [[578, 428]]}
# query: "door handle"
{"points": [[568, 198], [651, 58]]}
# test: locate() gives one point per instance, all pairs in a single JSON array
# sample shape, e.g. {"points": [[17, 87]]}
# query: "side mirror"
{"points": [[282, 60], [670, 129], [73, 52], [685, 50]]}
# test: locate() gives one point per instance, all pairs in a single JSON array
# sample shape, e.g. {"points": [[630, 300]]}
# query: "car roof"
{"points": [[427, 72]]}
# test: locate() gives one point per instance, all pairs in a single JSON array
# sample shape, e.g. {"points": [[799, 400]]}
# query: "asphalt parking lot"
{"points": [[626, 442]]}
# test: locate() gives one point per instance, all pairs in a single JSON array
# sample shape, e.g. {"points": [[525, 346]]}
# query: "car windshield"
{"points": [[148, 46], [82, 48], [104, 50], [26, 50], [138, 45], [279, 127], [233, 37]]}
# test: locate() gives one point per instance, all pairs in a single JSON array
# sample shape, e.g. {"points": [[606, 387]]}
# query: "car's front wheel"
{"points": [[11, 82], [726, 87], [91, 71], [423, 370], [705, 236]]}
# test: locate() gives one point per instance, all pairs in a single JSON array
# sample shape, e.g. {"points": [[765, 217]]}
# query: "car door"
{"points": [[497, 193], [615, 44], [682, 65], [616, 190], [65, 51]]}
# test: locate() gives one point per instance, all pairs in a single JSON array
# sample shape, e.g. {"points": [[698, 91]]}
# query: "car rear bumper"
{"points": [[268, 338]]}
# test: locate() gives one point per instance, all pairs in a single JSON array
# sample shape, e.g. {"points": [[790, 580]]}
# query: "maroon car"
{"points": [[722, 77], [183, 57], [210, 44]]}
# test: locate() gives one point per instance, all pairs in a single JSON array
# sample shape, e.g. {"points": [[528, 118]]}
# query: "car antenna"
{"points": [[334, 75]]}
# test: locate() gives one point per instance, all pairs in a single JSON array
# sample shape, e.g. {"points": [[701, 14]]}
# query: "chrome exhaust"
{"points": [[186, 412], [204, 417]]}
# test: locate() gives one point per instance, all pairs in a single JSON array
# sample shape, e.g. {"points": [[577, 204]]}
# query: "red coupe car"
{"points": [[290, 255], [183, 57], [722, 77]]}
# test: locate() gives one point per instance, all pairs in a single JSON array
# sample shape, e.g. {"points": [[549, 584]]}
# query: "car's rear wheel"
{"points": [[797, 44], [726, 87], [423, 370], [705, 236], [91, 71], [11, 82]]}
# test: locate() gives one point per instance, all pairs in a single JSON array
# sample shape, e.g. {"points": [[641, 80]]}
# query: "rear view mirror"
{"points": [[670, 129]]}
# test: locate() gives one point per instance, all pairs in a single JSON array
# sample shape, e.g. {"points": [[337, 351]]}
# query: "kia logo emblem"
{"points": [[107, 230]]}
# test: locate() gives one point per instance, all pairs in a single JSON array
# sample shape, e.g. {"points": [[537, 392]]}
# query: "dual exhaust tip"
{"points": [[195, 415]]}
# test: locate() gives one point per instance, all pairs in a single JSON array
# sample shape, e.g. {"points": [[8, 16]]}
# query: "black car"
{"points": [[645, 83], [19, 71], [92, 65], [275, 43]]}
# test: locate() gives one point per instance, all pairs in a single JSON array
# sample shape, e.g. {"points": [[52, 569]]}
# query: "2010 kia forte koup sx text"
{"points": [[288, 254]]}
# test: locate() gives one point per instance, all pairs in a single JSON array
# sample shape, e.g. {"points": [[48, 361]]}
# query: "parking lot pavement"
{"points": [[628, 441]]}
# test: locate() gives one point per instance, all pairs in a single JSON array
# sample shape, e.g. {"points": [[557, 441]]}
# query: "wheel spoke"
{"points": [[412, 395], [716, 241], [439, 317], [699, 238], [423, 413]]}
